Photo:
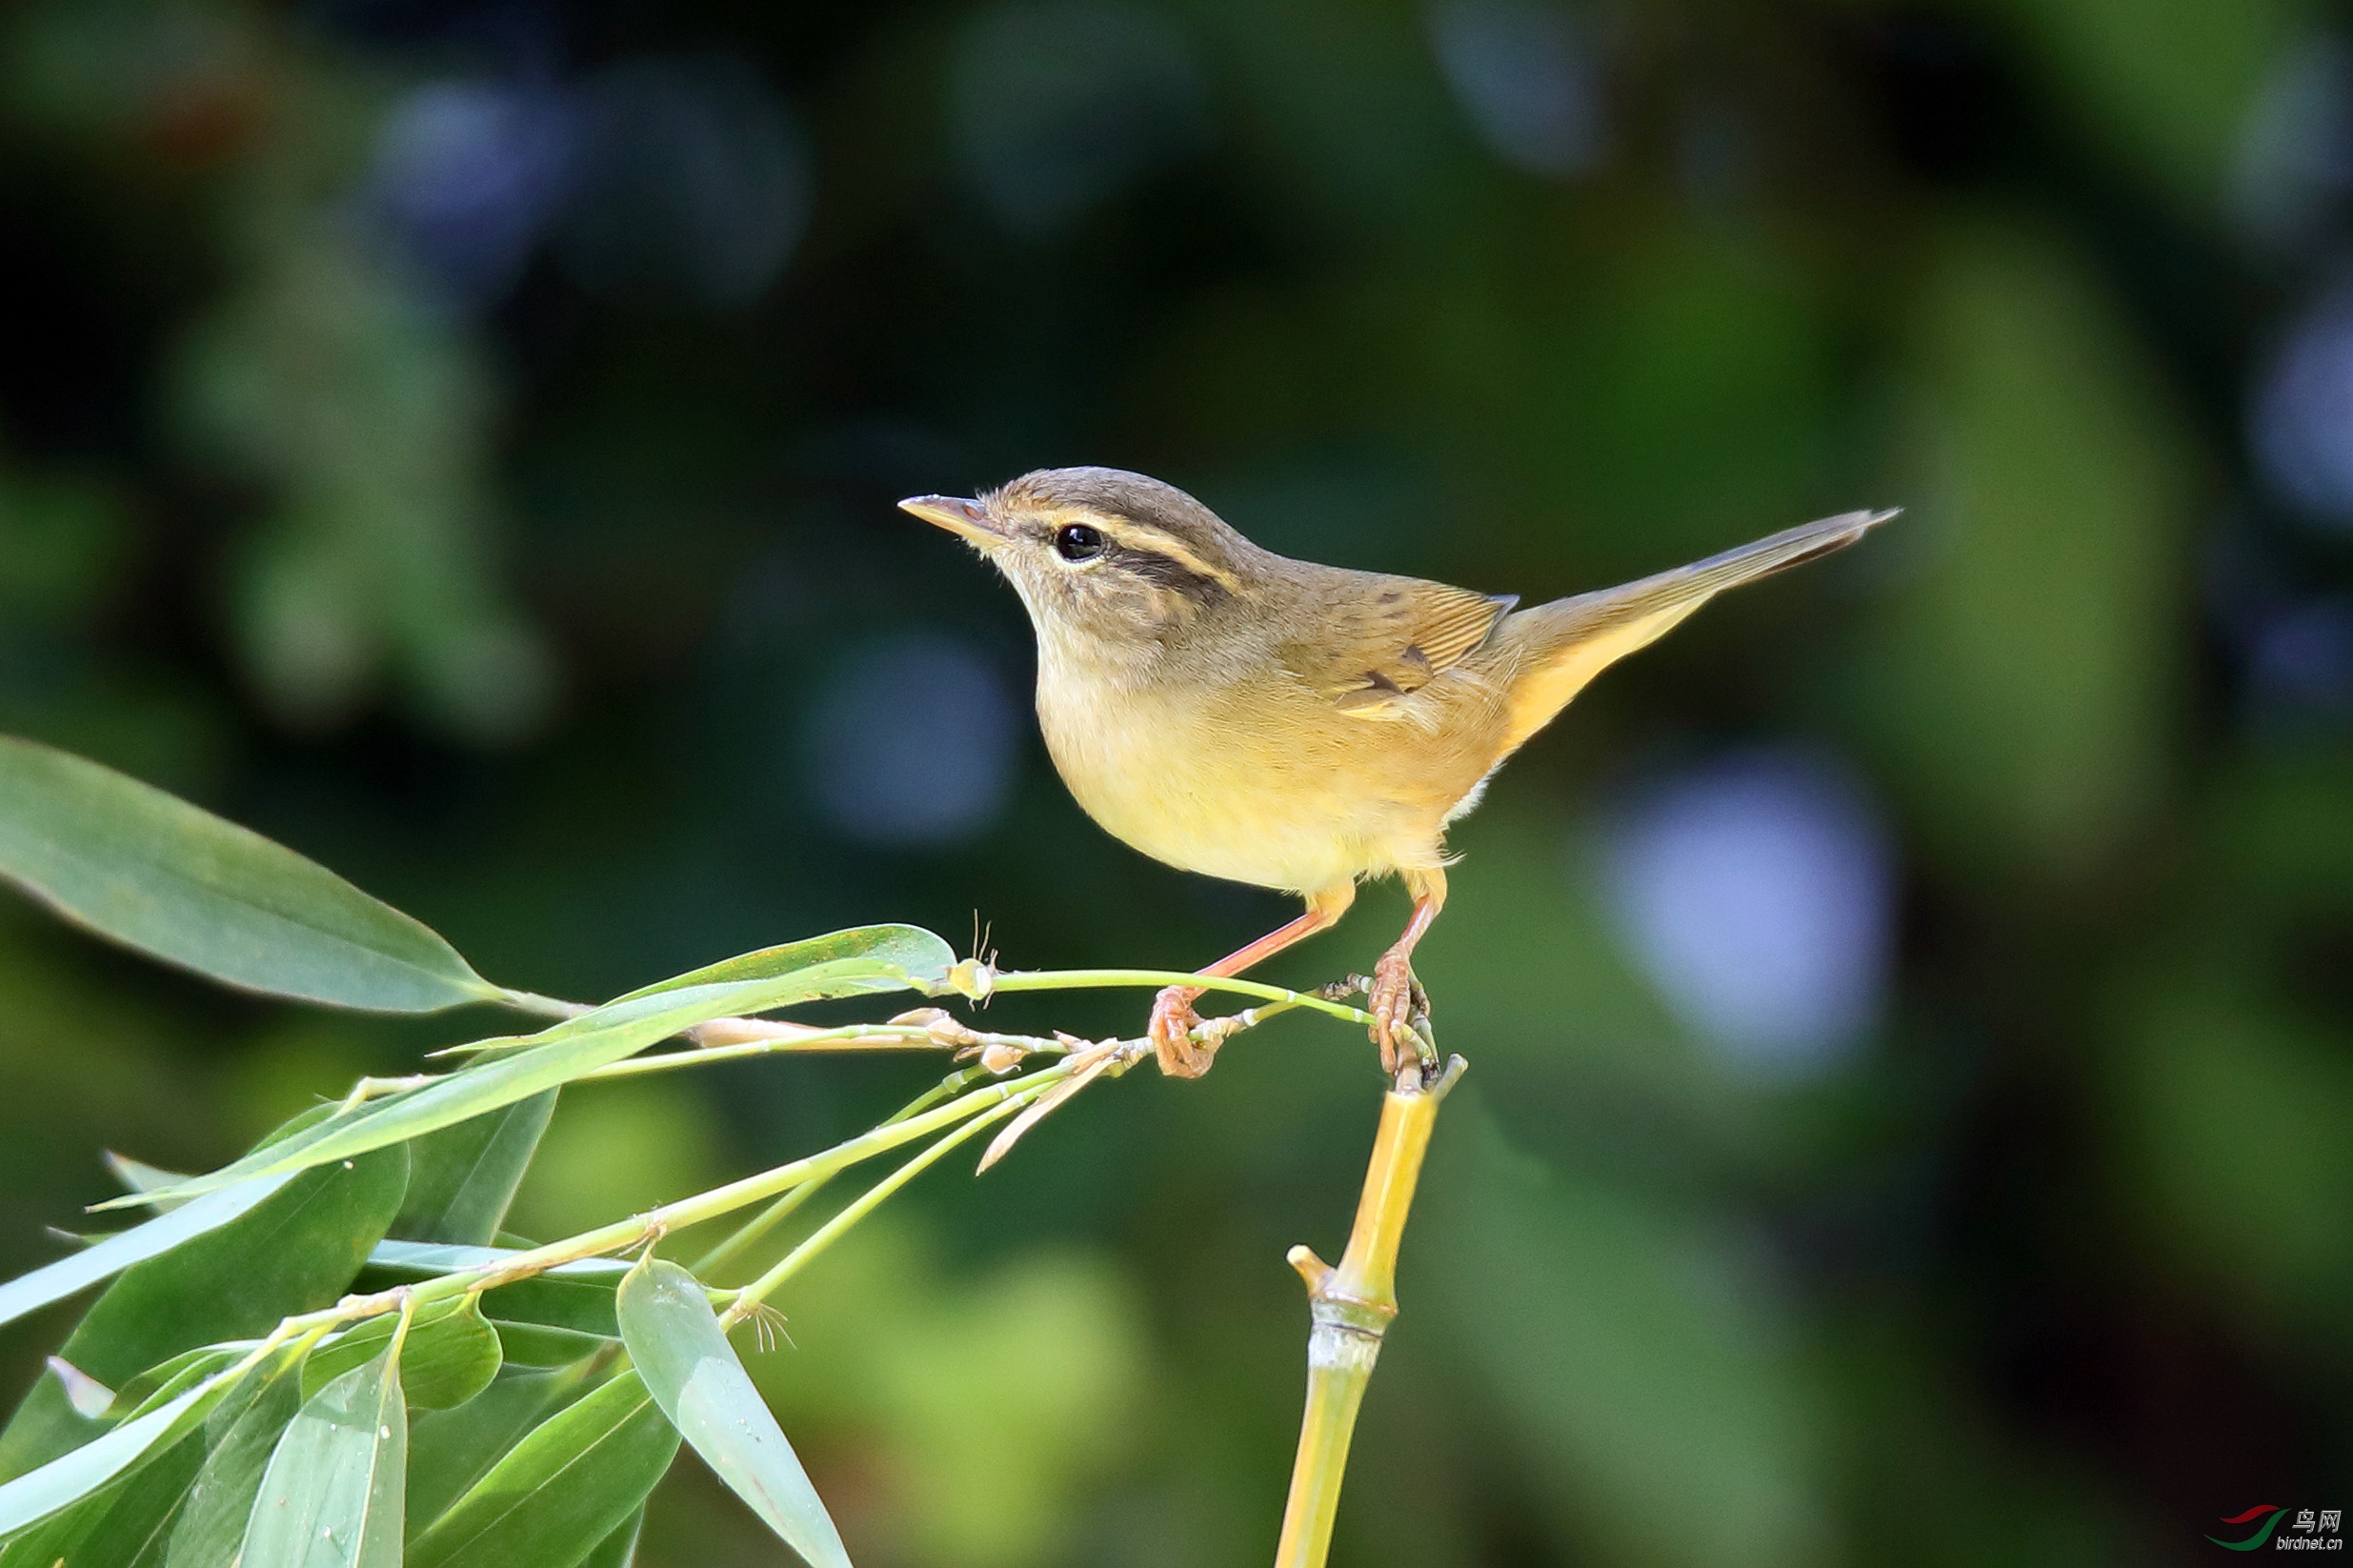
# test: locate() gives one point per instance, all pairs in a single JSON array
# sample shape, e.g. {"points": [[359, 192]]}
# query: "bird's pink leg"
{"points": [[1391, 999], [1173, 1018]]}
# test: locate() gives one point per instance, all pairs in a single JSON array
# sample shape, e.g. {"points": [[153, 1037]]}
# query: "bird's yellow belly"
{"points": [[1168, 778]]}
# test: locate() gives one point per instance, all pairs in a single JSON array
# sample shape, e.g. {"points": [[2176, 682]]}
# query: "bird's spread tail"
{"points": [[1564, 644]]}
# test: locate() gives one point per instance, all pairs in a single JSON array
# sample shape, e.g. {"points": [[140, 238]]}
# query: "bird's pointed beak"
{"points": [[956, 515]]}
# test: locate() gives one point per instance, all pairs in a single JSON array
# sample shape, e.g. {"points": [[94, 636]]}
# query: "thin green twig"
{"points": [[994, 1101], [787, 1187], [735, 1195], [748, 1233], [1079, 980], [748, 1299], [947, 1088], [862, 1037], [544, 1007]]}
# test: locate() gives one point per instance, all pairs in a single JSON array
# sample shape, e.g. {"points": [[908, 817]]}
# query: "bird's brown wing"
{"points": [[1392, 639]]}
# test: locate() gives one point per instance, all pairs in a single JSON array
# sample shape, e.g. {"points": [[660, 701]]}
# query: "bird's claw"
{"points": [[1171, 1030], [1396, 1001]]}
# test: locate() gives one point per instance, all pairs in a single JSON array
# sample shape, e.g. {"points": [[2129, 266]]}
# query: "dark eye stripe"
{"points": [[1166, 572]]}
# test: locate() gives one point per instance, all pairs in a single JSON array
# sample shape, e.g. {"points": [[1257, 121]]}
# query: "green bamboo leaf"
{"points": [[173, 1379], [295, 1252], [674, 1339], [167, 1378], [872, 958], [450, 1450], [462, 1178], [139, 1176], [151, 1238], [132, 1521], [139, 1509], [154, 873], [404, 1261], [549, 1319], [58, 1538], [451, 1355], [239, 1439], [619, 1549], [924, 957], [583, 1306], [119, 1524], [301, 1121], [537, 1345], [128, 1507], [47, 1425], [88, 1396], [71, 1476], [575, 1480], [331, 1496], [128, 1520]]}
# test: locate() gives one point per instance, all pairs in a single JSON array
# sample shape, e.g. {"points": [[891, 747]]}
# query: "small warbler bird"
{"points": [[1233, 711]]}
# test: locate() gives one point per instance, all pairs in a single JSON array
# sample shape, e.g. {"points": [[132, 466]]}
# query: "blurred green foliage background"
{"points": [[1911, 1009]]}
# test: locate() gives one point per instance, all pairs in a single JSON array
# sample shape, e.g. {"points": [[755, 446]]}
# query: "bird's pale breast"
{"points": [[1253, 780]]}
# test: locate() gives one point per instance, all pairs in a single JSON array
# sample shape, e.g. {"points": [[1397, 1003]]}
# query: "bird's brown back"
{"points": [[1234, 712]]}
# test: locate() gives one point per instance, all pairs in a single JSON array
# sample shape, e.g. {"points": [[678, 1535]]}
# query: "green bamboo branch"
{"points": [[1010, 1095], [947, 1088], [744, 1039], [958, 1109], [943, 1034], [759, 1225], [935, 1030], [740, 1193], [850, 1037], [538, 1006], [748, 1299], [979, 981], [751, 1232], [1081, 979], [991, 1103], [1352, 1307]]}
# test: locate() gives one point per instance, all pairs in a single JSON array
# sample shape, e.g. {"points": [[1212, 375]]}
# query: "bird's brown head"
{"points": [[1102, 553]]}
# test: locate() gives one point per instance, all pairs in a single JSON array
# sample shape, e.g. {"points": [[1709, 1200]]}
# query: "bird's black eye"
{"points": [[1077, 542]]}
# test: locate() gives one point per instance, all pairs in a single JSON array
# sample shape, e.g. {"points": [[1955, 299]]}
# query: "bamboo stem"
{"points": [[1352, 1307]]}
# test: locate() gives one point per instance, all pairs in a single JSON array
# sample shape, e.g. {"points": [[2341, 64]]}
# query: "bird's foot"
{"points": [[1398, 1002], [1170, 1030]]}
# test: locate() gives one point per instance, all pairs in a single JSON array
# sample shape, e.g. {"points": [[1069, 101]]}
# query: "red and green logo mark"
{"points": [[2313, 1530], [2261, 1536]]}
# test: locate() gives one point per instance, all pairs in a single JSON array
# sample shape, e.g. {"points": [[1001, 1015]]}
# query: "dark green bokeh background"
{"points": [[517, 556]]}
